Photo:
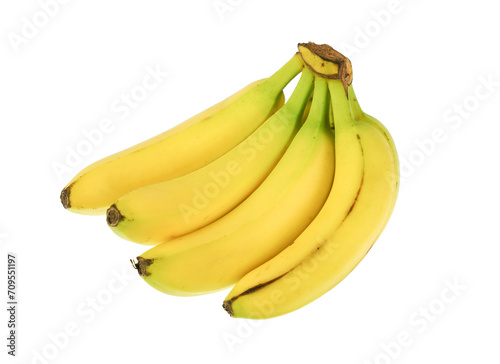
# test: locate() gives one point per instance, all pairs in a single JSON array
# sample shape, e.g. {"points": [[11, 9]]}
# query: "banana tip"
{"points": [[229, 309], [113, 216], [65, 197], [142, 266]]}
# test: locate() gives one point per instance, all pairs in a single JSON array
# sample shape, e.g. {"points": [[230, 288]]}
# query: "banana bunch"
{"points": [[278, 200]]}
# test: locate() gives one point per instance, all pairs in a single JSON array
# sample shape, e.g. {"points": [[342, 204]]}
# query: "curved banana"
{"points": [[219, 254], [354, 215], [165, 210], [360, 115], [180, 150]]}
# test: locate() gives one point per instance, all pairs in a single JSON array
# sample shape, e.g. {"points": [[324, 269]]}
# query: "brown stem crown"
{"points": [[326, 62]]}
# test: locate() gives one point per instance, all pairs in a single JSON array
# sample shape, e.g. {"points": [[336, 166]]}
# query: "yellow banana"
{"points": [[360, 115], [181, 150], [356, 211], [165, 210], [219, 254]]}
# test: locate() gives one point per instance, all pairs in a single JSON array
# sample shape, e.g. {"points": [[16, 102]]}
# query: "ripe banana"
{"points": [[219, 254], [360, 115], [165, 210], [181, 150], [357, 209]]}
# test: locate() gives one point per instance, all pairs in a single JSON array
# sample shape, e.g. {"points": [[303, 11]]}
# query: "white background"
{"points": [[416, 65]]}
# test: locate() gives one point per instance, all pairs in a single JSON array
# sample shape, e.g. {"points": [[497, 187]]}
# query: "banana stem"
{"points": [[278, 81], [340, 104], [320, 107], [300, 95], [355, 107], [326, 62]]}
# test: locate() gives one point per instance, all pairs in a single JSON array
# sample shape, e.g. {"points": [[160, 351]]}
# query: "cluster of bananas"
{"points": [[279, 200]]}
